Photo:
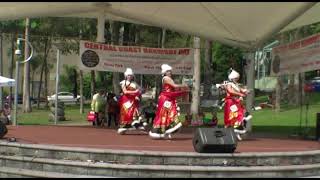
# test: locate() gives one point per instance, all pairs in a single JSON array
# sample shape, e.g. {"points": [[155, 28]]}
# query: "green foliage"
{"points": [[177, 40], [15, 26], [226, 57], [67, 78], [104, 80], [150, 36], [87, 85]]}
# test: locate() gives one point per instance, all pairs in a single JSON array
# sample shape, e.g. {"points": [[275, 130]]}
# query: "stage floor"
{"points": [[106, 138]]}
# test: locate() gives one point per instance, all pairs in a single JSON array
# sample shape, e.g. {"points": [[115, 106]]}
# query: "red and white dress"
{"points": [[128, 104], [234, 110], [167, 113]]}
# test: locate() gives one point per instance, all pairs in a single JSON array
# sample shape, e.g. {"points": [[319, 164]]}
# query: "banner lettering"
{"points": [[142, 60]]}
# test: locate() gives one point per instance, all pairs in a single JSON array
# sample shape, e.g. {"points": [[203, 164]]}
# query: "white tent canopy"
{"points": [[242, 24], [6, 82]]}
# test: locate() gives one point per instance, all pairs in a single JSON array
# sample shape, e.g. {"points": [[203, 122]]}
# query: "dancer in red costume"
{"points": [[166, 120], [234, 112], [129, 103]]}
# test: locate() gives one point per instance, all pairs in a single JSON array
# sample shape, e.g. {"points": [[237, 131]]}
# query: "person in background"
{"points": [[270, 102], [214, 119], [211, 122], [199, 120], [7, 114], [112, 109], [150, 112], [98, 106], [188, 118], [167, 120]]}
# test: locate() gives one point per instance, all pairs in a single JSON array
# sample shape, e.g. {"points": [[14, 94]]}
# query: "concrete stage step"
{"points": [[6, 172], [46, 160], [160, 158], [20, 167]]}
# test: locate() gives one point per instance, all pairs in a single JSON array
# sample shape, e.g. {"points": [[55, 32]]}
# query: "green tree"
{"points": [[226, 57]]}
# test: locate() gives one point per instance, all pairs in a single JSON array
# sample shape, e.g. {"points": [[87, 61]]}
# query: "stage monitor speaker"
{"points": [[214, 140], [3, 130]]}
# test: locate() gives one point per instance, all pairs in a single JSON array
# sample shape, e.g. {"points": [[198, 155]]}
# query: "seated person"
{"points": [[6, 113], [213, 122], [199, 119], [270, 103], [188, 119], [150, 112]]}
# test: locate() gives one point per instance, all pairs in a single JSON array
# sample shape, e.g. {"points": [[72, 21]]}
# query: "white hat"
{"points": [[234, 74], [165, 68], [128, 72]]}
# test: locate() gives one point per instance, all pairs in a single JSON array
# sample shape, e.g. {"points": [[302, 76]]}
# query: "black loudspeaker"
{"points": [[214, 140], [3, 129], [318, 127]]}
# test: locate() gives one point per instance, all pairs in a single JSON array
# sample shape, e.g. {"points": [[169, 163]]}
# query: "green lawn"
{"points": [[287, 121], [41, 116], [289, 118]]}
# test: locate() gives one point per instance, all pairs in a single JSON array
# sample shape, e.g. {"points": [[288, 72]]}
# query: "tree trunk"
{"points": [[81, 77], [75, 84], [137, 36], [26, 81], [160, 36], [196, 78], [188, 41], [301, 84], [163, 38], [46, 82], [1, 68], [115, 38], [278, 94], [126, 35], [81, 92], [207, 70], [32, 83], [46, 70], [43, 70], [40, 84], [11, 66], [93, 83]]}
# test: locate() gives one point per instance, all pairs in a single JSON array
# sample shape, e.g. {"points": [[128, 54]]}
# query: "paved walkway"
{"points": [[92, 137]]}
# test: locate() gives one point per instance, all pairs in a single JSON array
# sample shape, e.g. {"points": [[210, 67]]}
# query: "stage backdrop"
{"points": [[142, 60], [299, 56]]}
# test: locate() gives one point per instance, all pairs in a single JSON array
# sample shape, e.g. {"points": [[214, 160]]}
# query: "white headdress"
{"points": [[165, 68], [128, 72], [234, 74]]}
